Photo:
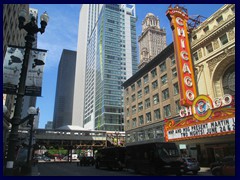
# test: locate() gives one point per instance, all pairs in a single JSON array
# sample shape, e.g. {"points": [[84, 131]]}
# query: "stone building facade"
{"points": [[152, 40], [151, 95], [147, 114]]}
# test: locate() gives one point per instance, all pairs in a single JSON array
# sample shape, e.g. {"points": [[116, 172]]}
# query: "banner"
{"points": [[35, 72], [12, 66]]}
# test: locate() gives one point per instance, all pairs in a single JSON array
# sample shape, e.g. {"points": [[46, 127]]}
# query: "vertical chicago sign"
{"points": [[178, 19]]}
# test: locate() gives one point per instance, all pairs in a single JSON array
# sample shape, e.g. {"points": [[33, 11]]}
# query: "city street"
{"points": [[71, 169]]}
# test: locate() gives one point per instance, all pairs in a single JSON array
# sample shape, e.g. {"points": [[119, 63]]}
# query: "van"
{"points": [[110, 157], [154, 158]]}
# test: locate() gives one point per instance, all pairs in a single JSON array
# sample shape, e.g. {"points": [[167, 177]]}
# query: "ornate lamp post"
{"points": [[31, 28]]}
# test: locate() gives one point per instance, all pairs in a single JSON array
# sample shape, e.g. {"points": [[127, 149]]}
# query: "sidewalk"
{"points": [[34, 171]]}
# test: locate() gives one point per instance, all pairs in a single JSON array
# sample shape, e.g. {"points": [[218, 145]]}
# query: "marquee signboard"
{"points": [[178, 20], [220, 122], [201, 116]]}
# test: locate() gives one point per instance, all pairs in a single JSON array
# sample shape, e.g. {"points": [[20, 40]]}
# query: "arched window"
{"points": [[228, 80]]}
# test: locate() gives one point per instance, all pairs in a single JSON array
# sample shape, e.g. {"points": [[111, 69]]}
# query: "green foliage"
{"points": [[57, 151]]}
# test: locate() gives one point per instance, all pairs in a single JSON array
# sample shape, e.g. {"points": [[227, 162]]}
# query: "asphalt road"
{"points": [[71, 169]]}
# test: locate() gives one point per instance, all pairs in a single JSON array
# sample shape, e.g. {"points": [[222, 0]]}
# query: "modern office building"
{"points": [[64, 91], [152, 39], [106, 57]]}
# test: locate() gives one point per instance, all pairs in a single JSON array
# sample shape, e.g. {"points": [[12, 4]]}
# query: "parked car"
{"points": [[45, 158], [224, 160], [226, 168], [190, 165], [86, 161]]}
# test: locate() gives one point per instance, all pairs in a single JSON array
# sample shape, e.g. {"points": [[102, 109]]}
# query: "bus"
{"points": [[110, 157], [154, 158]]}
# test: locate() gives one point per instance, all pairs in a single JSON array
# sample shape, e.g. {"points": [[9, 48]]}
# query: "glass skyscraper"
{"points": [[106, 57]]}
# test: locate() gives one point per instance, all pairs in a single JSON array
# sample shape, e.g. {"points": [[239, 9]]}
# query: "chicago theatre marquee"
{"points": [[205, 127]]}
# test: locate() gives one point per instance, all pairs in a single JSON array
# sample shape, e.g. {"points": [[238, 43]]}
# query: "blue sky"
{"points": [[61, 33]]}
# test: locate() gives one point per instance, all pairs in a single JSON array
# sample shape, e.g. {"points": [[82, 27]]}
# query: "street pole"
{"points": [[13, 136], [31, 29], [30, 142]]}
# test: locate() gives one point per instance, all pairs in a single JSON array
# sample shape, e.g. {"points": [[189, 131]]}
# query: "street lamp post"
{"points": [[31, 134], [31, 28]]}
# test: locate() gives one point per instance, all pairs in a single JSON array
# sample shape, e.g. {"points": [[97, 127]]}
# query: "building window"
{"points": [[145, 78], [209, 48], [219, 19], [164, 79], [134, 123], [206, 29], [194, 37], [165, 94], [140, 106], [146, 90], [167, 110], [127, 112], [162, 67], [147, 103], [178, 106], [175, 89], [133, 97], [173, 62], [127, 92], [157, 114], [174, 73], [134, 110], [128, 124], [155, 99], [133, 87], [148, 117], [141, 120], [139, 94], [139, 83], [233, 9], [195, 56], [224, 39], [127, 100], [154, 84], [154, 73]]}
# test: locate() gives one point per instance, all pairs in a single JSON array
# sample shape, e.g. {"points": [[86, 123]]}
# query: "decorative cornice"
{"points": [[213, 32]]}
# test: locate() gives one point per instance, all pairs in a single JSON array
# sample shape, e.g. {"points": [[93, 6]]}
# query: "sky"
{"points": [[62, 33]]}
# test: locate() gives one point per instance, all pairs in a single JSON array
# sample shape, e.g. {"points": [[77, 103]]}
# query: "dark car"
{"points": [[86, 161], [224, 160], [190, 165], [226, 168], [45, 158]]}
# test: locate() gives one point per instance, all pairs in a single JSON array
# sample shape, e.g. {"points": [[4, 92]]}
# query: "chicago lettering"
{"points": [[185, 60], [204, 106]]}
